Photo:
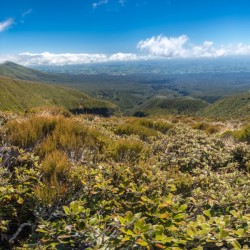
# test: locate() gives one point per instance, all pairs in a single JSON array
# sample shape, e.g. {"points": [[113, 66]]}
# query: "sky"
{"points": [[59, 32]]}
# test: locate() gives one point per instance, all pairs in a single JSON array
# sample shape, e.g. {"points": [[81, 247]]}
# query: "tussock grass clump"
{"points": [[144, 128], [206, 127], [243, 134], [28, 133], [49, 111], [163, 127], [55, 178], [135, 129], [124, 150], [50, 192], [46, 134], [73, 137], [56, 166]]}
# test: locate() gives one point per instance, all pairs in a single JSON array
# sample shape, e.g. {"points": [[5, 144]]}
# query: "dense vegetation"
{"points": [[161, 104], [85, 182], [231, 106]]}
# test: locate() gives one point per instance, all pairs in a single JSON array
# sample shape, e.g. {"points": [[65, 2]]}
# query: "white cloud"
{"points": [[242, 49], [154, 48], [6, 24], [181, 47], [101, 2], [164, 46], [47, 58], [123, 57]]}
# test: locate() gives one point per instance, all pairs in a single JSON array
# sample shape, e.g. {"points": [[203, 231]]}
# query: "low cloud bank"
{"points": [[156, 47], [47, 58]]}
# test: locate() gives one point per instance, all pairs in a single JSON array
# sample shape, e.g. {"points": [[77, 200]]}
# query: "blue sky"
{"points": [[133, 28]]}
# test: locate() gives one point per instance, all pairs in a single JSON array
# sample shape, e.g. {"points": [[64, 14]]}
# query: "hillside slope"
{"points": [[13, 70], [231, 106], [160, 104], [18, 95]]}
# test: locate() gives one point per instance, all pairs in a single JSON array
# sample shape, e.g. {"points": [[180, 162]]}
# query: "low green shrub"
{"points": [[163, 127], [208, 128], [125, 150], [243, 134], [135, 129]]}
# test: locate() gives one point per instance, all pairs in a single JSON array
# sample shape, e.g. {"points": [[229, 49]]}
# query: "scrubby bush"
{"points": [[135, 129], [170, 187], [163, 127], [207, 127], [19, 174], [124, 150], [243, 134], [188, 150]]}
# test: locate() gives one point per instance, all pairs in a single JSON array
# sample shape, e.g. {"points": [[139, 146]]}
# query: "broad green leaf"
{"points": [[179, 216], [158, 229], [163, 239], [236, 245], [129, 216], [182, 208], [20, 200], [207, 213], [142, 243], [66, 210]]}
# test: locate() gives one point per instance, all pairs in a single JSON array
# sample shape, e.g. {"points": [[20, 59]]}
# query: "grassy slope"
{"points": [[14, 70], [169, 105], [232, 106], [17, 95]]}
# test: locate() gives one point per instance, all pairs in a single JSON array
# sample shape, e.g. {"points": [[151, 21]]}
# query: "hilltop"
{"points": [[13, 70]]}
